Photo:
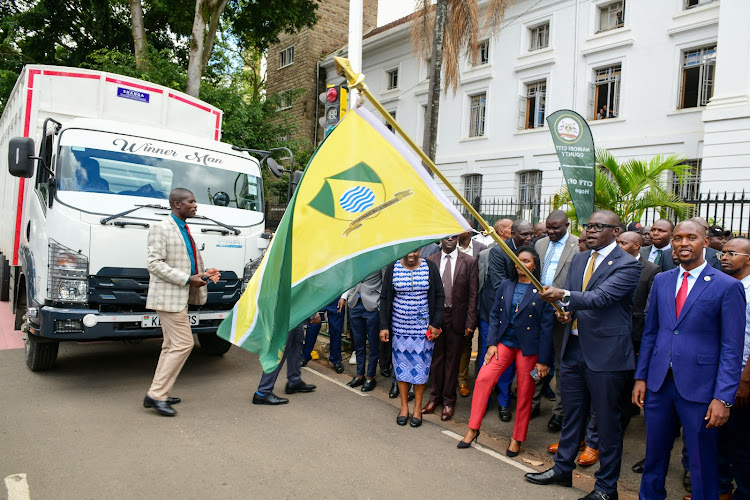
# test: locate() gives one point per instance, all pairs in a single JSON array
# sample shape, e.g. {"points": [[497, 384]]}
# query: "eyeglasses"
{"points": [[597, 228], [731, 254], [452, 237]]}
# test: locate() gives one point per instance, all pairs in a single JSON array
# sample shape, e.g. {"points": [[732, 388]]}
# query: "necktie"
{"points": [[548, 259], [448, 281], [657, 259], [586, 278], [679, 301], [194, 263]]}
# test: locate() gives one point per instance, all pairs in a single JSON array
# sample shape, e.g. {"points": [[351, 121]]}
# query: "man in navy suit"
{"points": [[597, 352], [689, 364], [660, 250]]}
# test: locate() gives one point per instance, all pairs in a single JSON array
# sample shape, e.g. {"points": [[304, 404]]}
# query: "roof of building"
{"points": [[393, 24]]}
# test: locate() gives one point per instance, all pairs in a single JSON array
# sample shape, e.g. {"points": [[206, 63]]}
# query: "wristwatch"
{"points": [[726, 405], [566, 297]]}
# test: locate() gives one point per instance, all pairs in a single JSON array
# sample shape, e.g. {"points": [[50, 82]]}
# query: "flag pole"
{"points": [[357, 81]]}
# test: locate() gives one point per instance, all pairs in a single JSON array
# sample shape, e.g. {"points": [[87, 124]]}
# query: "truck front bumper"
{"points": [[90, 324]]}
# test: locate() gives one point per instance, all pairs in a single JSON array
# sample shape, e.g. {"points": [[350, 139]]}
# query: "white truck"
{"points": [[91, 159]]}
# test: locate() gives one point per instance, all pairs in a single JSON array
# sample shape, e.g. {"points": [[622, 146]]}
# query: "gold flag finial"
{"points": [[354, 80]]}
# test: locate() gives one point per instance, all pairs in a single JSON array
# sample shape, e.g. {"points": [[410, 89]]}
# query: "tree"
{"points": [[455, 30], [139, 34], [631, 188]]}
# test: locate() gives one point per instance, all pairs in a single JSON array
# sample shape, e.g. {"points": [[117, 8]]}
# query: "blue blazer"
{"points": [[604, 310], [704, 345], [533, 323]]}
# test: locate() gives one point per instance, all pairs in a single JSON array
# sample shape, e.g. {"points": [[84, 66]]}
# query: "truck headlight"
{"points": [[68, 274], [250, 269]]}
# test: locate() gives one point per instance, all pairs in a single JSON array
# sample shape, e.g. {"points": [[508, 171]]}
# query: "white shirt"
{"points": [[469, 250], [666, 252], [746, 351], [483, 239], [692, 278], [443, 261], [557, 248]]}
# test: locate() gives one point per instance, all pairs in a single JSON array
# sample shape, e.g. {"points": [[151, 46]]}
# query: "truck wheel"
{"points": [[4, 279], [40, 355], [213, 345]]}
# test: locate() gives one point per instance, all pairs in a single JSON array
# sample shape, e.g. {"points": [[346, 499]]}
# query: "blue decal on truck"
{"points": [[133, 95]]}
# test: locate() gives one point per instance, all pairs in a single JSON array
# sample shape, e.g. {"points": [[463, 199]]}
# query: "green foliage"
{"points": [[631, 188]]}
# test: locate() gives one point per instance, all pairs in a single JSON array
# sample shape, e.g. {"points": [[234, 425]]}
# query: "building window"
{"points": [[689, 4], [604, 98], [484, 52], [388, 125], [531, 109], [539, 37], [529, 193], [286, 57], [611, 16], [392, 79], [697, 77], [689, 188], [285, 99], [476, 114], [473, 188]]}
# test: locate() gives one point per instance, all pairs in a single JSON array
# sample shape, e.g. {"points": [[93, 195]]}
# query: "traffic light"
{"points": [[334, 101]]}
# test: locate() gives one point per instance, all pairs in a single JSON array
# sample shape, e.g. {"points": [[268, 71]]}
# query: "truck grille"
{"points": [[125, 289]]}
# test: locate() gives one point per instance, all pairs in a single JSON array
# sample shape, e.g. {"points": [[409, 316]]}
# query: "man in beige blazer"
{"points": [[176, 279]]}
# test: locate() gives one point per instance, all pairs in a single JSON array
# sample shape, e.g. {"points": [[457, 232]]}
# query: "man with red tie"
{"points": [[689, 363]]}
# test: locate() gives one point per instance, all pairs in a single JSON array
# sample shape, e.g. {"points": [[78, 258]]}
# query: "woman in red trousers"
{"points": [[520, 331]]}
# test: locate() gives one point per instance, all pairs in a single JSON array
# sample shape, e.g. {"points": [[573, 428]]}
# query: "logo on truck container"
{"points": [[133, 95]]}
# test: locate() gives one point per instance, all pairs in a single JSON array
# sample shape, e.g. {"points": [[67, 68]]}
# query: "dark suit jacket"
{"points": [[648, 271], [713, 259], [704, 345], [604, 311], [563, 266], [465, 291], [533, 323], [435, 297], [499, 268], [666, 262], [477, 246]]}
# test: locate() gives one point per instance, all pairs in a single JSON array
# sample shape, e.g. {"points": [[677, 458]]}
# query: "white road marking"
{"points": [[355, 391], [492, 453], [18, 487]]}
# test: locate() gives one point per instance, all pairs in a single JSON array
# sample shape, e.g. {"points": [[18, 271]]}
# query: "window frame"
{"points": [[284, 55], [690, 187], [699, 3], [472, 187], [481, 119], [390, 75], [706, 75], [606, 9], [533, 97], [613, 81], [530, 193], [533, 36], [484, 49], [282, 96]]}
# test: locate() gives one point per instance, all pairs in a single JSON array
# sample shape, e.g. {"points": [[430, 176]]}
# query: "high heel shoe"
{"points": [[463, 444], [509, 453]]}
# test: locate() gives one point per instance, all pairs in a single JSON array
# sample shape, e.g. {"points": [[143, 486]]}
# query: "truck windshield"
{"points": [[126, 173]]}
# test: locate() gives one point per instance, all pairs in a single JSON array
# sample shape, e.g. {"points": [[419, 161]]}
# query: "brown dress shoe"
{"points": [[447, 413], [463, 390], [588, 456], [429, 407], [553, 447]]}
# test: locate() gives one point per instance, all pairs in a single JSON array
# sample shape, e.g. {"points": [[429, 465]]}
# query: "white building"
{"points": [[674, 75]]}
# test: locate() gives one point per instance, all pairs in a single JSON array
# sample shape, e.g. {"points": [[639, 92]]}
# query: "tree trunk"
{"points": [[139, 35], [195, 71], [429, 143], [208, 46]]}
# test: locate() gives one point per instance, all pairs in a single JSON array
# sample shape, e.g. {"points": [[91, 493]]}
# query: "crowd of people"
{"points": [[627, 319]]}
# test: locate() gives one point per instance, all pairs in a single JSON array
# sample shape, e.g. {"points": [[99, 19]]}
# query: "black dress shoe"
{"points": [[299, 387], [338, 367], [535, 412], [161, 407], [305, 361], [402, 420], [369, 385], [268, 399], [356, 382], [386, 373], [549, 477], [598, 495], [393, 394], [415, 422], [687, 481], [410, 395], [638, 466], [170, 401], [504, 413], [555, 423]]}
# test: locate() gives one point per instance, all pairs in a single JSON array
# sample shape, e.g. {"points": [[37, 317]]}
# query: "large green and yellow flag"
{"points": [[364, 202]]}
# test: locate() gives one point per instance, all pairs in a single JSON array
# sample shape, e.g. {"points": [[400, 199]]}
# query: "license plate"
{"points": [[152, 320]]}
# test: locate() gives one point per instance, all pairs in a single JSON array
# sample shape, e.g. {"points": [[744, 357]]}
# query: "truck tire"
{"points": [[4, 279], [40, 355], [213, 345]]}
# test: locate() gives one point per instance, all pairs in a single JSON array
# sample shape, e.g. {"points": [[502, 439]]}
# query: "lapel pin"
{"points": [[609, 263], [534, 290], [707, 278]]}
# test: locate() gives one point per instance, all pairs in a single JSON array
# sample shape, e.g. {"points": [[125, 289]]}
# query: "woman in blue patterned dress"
{"points": [[411, 305]]}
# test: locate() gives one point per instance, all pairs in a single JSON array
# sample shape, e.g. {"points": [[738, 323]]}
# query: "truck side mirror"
{"points": [[296, 179], [21, 157], [273, 166]]}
